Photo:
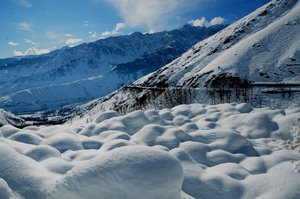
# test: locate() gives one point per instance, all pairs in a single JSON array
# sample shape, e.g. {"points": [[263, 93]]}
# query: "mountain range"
{"points": [[78, 74], [263, 48]]}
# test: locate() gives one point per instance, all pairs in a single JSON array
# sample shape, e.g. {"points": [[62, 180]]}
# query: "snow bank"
{"points": [[127, 172], [190, 151]]}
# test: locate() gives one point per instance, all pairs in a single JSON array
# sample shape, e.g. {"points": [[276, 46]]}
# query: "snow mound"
{"points": [[131, 172], [189, 151], [6, 192]]}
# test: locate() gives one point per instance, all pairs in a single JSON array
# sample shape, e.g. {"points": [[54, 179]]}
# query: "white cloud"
{"points": [[202, 22], [93, 35], [119, 26], [115, 31], [72, 41], [31, 51], [199, 22], [151, 31], [17, 53], [52, 35], [57, 38], [11, 43], [106, 33], [28, 41], [86, 23], [217, 21], [25, 26], [150, 13]]}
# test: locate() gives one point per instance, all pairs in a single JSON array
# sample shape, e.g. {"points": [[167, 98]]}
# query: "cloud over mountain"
{"points": [[152, 14]]}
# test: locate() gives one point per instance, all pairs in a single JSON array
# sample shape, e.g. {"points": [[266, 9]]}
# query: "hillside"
{"points": [[263, 46]]}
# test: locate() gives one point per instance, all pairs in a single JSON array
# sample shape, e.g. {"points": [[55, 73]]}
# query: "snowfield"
{"points": [[190, 151]]}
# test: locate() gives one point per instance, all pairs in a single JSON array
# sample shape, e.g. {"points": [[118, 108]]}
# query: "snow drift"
{"points": [[190, 151], [127, 172]]}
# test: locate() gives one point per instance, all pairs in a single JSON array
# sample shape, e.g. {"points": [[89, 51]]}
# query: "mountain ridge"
{"points": [[98, 66]]}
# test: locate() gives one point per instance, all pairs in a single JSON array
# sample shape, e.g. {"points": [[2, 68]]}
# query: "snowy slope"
{"points": [[89, 71], [262, 47], [190, 151]]}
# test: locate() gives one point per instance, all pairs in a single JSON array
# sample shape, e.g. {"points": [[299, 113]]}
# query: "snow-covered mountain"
{"points": [[88, 71], [262, 47]]}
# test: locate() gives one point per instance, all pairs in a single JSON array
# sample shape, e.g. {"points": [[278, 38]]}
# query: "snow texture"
{"points": [[190, 151]]}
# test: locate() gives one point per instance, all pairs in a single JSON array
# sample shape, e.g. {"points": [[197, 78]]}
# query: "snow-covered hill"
{"points": [[89, 71], [190, 151], [262, 47]]}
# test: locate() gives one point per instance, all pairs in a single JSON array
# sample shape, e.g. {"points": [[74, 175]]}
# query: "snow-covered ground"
{"points": [[190, 151]]}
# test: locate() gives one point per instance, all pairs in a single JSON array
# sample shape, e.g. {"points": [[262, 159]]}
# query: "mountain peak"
{"points": [[137, 34]]}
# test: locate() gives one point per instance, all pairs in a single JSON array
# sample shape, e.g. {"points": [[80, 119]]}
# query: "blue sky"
{"points": [[39, 26]]}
